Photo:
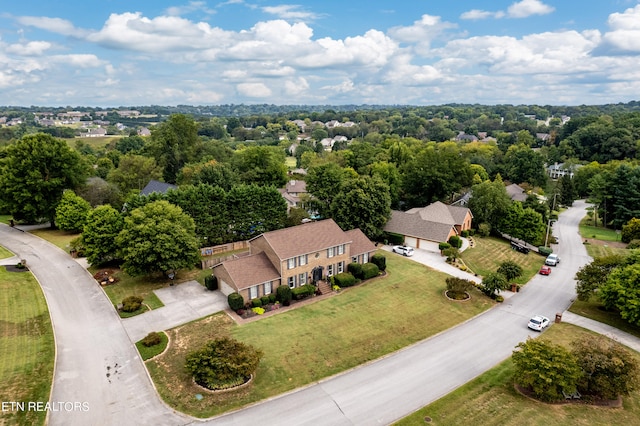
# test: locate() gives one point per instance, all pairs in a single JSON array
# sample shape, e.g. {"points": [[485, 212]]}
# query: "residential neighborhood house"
{"points": [[292, 192], [293, 256], [558, 170], [426, 227], [516, 193]]}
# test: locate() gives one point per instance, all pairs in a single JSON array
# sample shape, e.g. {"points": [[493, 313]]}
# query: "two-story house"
{"points": [[293, 256]]}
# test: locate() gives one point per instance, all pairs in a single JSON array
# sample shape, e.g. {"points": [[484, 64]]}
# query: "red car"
{"points": [[545, 270]]}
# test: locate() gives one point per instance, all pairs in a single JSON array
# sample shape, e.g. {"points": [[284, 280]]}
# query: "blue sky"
{"points": [[125, 53]]}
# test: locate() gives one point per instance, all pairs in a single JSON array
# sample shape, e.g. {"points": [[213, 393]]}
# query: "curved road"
{"points": [[91, 343]]}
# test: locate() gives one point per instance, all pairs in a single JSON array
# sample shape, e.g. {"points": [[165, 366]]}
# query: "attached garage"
{"points": [[429, 245], [411, 241]]}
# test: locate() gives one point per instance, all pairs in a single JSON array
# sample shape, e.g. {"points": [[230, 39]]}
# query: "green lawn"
{"points": [[597, 250], [4, 218], [587, 230], [149, 352], [57, 237], [594, 309], [490, 252], [492, 400], [320, 339], [4, 253], [27, 349]]}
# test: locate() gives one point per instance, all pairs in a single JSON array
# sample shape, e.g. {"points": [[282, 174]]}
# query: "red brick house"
{"points": [[293, 256]]}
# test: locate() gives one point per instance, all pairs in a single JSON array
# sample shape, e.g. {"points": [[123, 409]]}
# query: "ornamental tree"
{"points": [[101, 230], [622, 292], [545, 368], [223, 363], [71, 212], [608, 369], [157, 237], [593, 275], [510, 269]]}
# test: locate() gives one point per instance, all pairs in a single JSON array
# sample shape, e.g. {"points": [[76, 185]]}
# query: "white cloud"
{"points": [[193, 6], [625, 31], [254, 90], [296, 87], [526, 8], [290, 11], [32, 48], [476, 15], [422, 31], [55, 25]]}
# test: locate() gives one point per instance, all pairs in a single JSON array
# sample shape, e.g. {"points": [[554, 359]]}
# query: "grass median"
{"points": [[320, 339], [27, 348], [491, 399]]}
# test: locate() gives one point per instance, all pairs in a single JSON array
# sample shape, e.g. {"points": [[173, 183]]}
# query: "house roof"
{"points": [[156, 186], [516, 192], [411, 224], [306, 238], [441, 213], [359, 242], [296, 186], [250, 270]]}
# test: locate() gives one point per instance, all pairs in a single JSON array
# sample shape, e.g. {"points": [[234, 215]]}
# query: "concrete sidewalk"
{"points": [[183, 303], [606, 330]]}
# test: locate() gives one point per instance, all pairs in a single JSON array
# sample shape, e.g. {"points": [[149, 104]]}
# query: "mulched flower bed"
{"points": [[14, 268], [106, 277]]}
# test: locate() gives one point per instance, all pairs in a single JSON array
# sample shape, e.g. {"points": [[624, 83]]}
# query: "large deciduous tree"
{"points": [[35, 172], [100, 232], [435, 174], [252, 210], [522, 164], [489, 202], [261, 165], [71, 212], [323, 182], [174, 143], [134, 172], [593, 275], [157, 237], [622, 292], [364, 203]]}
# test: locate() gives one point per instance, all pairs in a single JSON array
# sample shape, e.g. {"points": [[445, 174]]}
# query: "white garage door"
{"points": [[411, 242], [429, 245]]}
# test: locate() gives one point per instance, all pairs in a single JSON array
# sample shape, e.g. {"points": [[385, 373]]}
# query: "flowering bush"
{"points": [[336, 288], [258, 310]]}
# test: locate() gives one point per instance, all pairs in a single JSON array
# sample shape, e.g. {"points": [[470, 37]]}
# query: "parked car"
{"points": [[538, 323], [403, 250], [552, 260], [545, 270]]}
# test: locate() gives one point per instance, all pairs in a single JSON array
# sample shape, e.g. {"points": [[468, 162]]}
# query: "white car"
{"points": [[552, 260], [403, 250], [538, 323]]}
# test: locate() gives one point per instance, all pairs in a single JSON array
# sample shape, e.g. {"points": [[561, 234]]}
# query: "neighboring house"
{"points": [[292, 192], [462, 136], [428, 226], [558, 170], [157, 186], [143, 131], [293, 256], [516, 193], [95, 132]]}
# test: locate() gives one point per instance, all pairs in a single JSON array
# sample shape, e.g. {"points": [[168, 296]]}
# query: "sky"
{"points": [[112, 53]]}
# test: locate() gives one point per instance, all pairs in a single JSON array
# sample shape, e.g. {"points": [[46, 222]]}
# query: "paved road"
{"points": [[91, 343], [90, 338]]}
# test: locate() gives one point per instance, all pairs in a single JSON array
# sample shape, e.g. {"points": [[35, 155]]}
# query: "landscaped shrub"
{"points": [[457, 287], [272, 298], [303, 291], [223, 363], [464, 234], [394, 239], [283, 295], [369, 270], [545, 251], [380, 261], [265, 300], [131, 303], [258, 310], [256, 303], [499, 299], [443, 246], [151, 339], [455, 241], [211, 282], [344, 279], [355, 269], [633, 244], [484, 229], [452, 254], [236, 301]]}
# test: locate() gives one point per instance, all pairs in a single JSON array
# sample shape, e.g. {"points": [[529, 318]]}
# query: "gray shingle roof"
{"points": [[411, 224], [156, 186], [250, 270]]}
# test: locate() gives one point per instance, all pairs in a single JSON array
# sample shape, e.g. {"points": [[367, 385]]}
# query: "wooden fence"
{"points": [[210, 258]]}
